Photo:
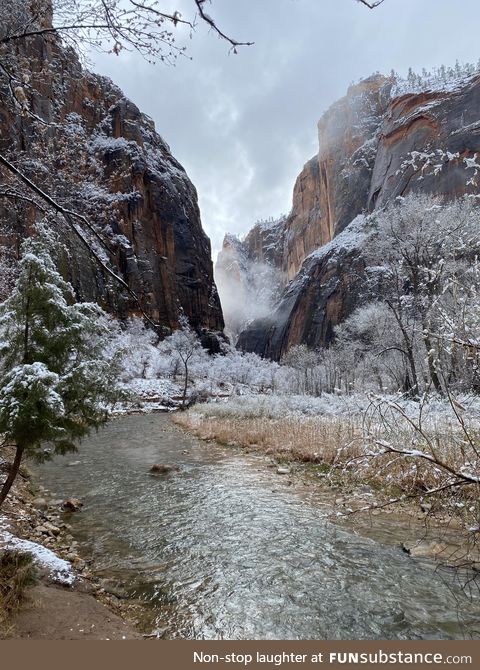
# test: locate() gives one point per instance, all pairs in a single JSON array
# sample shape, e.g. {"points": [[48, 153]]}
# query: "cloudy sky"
{"points": [[243, 125]]}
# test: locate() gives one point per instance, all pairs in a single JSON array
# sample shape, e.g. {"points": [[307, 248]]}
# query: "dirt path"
{"points": [[57, 613]]}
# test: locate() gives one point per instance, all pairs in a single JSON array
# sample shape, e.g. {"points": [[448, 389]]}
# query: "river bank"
{"points": [[65, 601], [333, 444], [197, 551]]}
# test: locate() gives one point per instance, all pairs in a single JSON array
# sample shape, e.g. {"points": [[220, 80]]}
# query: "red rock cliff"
{"points": [[95, 152], [374, 147]]}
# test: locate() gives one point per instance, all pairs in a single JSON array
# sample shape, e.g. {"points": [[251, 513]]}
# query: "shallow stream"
{"points": [[224, 547]]}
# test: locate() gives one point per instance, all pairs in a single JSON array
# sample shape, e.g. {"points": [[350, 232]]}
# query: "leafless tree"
{"points": [[183, 345], [107, 25]]}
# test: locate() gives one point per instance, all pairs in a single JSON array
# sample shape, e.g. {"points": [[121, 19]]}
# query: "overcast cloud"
{"points": [[243, 125]]}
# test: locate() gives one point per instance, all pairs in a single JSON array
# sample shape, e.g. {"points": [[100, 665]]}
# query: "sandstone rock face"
{"points": [[96, 153], [334, 186], [429, 143], [375, 145], [306, 228], [325, 291]]}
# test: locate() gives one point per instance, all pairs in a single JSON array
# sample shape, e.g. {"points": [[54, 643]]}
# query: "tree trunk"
{"points": [[185, 386], [12, 474], [432, 368], [414, 390]]}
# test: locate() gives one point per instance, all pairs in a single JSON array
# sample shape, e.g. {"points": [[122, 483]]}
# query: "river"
{"points": [[225, 548]]}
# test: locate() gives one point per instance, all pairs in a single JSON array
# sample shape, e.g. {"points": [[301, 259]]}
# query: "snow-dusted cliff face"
{"points": [[249, 276], [76, 135], [375, 144]]}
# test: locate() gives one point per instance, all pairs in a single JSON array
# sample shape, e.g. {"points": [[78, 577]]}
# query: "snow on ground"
{"points": [[273, 406], [148, 395], [59, 570]]}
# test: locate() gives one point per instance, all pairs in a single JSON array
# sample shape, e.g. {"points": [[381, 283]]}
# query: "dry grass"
{"points": [[347, 445], [306, 439], [16, 574]]}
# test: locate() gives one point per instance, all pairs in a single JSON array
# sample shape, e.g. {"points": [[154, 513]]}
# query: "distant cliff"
{"points": [[249, 276], [374, 145], [95, 152]]}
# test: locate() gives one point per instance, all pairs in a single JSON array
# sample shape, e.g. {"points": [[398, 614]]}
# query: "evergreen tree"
{"points": [[57, 378]]}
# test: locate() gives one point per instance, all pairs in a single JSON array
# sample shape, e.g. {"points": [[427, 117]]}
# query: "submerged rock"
{"points": [[72, 505], [161, 469], [426, 549]]}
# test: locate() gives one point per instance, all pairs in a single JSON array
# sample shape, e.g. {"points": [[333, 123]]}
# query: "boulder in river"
{"points": [[72, 505], [161, 469]]}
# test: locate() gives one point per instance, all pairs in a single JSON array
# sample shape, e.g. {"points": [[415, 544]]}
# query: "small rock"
{"points": [[72, 505], [42, 530], [424, 549], [426, 507], [53, 529], [40, 503], [283, 471], [55, 503], [161, 469]]}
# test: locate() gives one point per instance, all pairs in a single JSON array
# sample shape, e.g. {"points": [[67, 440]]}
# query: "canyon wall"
{"points": [[375, 145], [77, 136]]}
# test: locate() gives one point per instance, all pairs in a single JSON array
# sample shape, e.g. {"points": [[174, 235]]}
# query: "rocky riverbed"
{"points": [[67, 602]]}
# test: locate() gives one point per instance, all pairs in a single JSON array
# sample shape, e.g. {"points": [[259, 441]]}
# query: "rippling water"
{"points": [[224, 548]]}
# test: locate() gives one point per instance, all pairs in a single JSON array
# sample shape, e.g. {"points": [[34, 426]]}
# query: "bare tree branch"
{"points": [[135, 25], [208, 19], [404, 497], [414, 453], [371, 5]]}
